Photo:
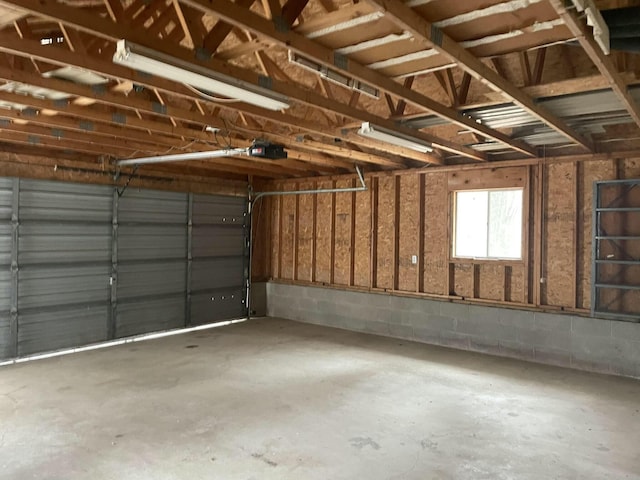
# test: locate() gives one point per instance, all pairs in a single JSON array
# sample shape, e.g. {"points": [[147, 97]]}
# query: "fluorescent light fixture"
{"points": [[155, 63], [183, 157], [334, 75], [394, 138]]}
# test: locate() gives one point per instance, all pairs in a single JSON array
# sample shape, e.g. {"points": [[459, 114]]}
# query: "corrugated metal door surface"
{"points": [[81, 264], [64, 259], [219, 252], [152, 261], [7, 322]]}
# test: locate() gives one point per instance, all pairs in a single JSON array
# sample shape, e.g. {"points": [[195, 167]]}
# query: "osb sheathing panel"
{"points": [[409, 210], [288, 233], [516, 292], [491, 281], [566, 242], [590, 172], [560, 220], [323, 234], [385, 232], [342, 263], [275, 235], [362, 251], [305, 233], [436, 226], [261, 233], [463, 284]]}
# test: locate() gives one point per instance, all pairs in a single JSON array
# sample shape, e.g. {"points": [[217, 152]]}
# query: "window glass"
{"points": [[488, 224]]}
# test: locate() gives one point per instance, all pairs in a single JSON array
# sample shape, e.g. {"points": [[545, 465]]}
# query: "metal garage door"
{"points": [[219, 250], [89, 265], [64, 259], [152, 261]]}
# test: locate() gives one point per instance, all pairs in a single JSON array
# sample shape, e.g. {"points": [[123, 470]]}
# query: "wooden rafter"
{"points": [[62, 57], [604, 64], [435, 38], [107, 29], [292, 10], [220, 30], [243, 18]]}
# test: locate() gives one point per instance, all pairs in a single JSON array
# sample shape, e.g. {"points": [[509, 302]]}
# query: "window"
{"points": [[488, 224]]}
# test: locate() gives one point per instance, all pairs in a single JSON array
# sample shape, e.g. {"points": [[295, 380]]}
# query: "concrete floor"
{"points": [[274, 399]]}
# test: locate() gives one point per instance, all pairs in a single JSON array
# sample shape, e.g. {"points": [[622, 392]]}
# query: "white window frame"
{"points": [[523, 231]]}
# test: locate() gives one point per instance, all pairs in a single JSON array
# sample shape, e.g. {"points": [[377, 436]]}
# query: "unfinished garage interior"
{"points": [[319, 239]]}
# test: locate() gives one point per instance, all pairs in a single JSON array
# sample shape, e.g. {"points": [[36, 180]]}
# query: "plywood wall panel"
{"points": [[560, 222], [491, 281], [516, 291], [305, 233], [590, 172], [288, 228], [261, 240], [436, 226], [324, 234], [463, 280], [630, 168], [356, 238], [342, 264], [385, 232], [362, 250], [409, 210], [275, 235]]}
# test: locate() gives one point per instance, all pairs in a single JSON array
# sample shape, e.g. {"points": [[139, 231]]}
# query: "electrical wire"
{"points": [[210, 97]]}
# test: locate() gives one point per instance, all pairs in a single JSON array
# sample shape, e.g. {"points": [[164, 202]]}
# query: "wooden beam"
{"points": [[604, 64], [402, 104], [463, 91], [115, 118], [292, 10], [82, 126], [221, 30], [538, 66], [525, 68], [191, 23], [243, 18], [30, 48], [435, 38]]}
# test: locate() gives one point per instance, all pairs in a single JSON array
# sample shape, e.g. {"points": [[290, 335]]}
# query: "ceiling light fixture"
{"points": [[155, 63], [394, 138], [334, 76]]}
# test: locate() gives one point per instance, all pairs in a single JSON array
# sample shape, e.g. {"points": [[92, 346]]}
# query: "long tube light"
{"points": [[155, 63], [394, 138], [182, 157]]}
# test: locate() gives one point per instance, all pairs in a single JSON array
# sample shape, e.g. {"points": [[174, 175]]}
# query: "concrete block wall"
{"points": [[592, 344]]}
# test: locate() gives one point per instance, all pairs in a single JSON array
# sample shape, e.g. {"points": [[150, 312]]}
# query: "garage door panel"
{"points": [[147, 316], [212, 241], [5, 336], [217, 305], [217, 273], [6, 198], [145, 242], [152, 206], [64, 243], [149, 279], [69, 202], [64, 328], [5, 288], [218, 210], [5, 243], [56, 286]]}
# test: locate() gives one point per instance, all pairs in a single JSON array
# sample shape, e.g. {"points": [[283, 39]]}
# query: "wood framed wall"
{"points": [[366, 240]]}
